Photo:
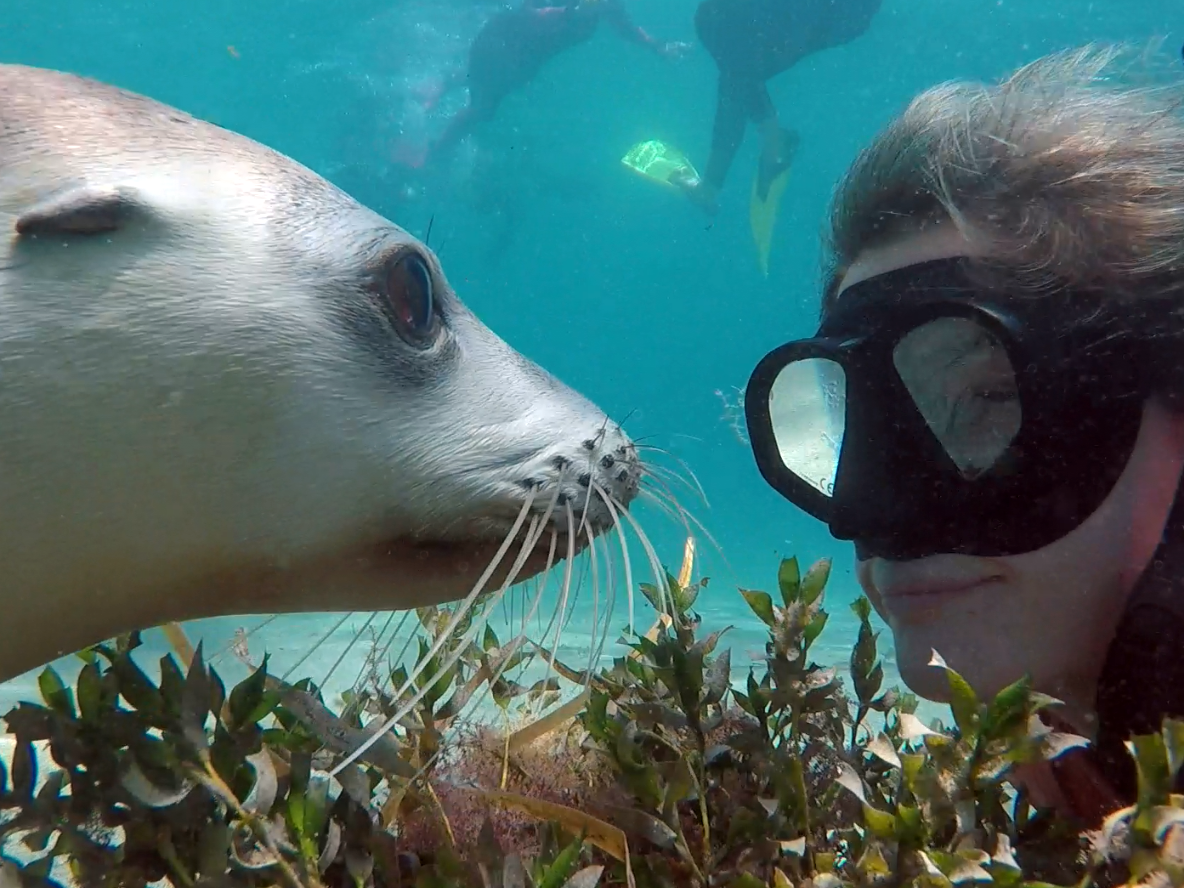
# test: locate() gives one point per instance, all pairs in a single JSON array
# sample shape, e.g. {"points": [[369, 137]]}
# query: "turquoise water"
{"points": [[613, 284]]}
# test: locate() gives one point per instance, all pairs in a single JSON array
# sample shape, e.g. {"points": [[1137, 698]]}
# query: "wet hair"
{"points": [[1066, 169]]}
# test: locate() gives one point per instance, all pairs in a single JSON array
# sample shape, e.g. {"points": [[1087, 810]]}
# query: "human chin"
{"points": [[954, 604], [970, 648]]}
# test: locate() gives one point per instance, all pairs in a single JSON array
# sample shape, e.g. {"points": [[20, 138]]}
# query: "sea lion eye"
{"points": [[412, 304]]}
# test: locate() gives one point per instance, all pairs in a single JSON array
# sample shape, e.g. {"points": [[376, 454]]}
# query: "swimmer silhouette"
{"points": [[515, 44]]}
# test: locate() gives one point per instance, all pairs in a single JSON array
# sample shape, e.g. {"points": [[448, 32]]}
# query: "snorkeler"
{"points": [[752, 41], [515, 44], [992, 408]]}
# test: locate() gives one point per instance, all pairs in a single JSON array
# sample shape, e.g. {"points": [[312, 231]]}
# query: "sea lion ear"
{"points": [[85, 209]]}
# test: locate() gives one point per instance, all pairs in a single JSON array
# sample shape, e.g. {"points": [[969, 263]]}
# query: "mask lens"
{"points": [[962, 380], [807, 406]]}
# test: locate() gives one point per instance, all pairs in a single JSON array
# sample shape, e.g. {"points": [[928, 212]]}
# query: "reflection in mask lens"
{"points": [[962, 380], [807, 405]]}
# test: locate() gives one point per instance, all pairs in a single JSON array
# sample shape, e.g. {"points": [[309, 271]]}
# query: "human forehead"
{"points": [[939, 241]]}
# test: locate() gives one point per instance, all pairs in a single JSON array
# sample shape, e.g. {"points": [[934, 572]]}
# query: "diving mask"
{"points": [[930, 416]]}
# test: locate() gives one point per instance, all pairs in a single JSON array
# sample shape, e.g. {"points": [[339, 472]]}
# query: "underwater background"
{"points": [[611, 282]]}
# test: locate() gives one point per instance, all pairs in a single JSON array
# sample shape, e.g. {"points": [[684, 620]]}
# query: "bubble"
{"points": [[733, 412]]}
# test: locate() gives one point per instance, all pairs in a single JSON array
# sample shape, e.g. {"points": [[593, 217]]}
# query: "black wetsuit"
{"points": [[515, 44], [1142, 682], [754, 40]]}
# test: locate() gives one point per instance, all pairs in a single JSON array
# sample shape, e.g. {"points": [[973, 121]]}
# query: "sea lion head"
{"points": [[227, 387]]}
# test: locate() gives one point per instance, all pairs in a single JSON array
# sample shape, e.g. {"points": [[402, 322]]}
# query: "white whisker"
{"points": [[411, 636], [537, 526], [380, 651], [440, 641], [383, 652], [662, 475], [520, 639], [698, 487], [534, 532], [596, 649], [655, 563], [557, 615], [568, 569], [595, 587], [349, 647], [315, 645], [655, 486], [624, 551], [661, 499], [565, 597], [684, 516]]}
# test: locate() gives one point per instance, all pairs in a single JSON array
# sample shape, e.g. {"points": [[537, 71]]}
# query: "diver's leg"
{"points": [[488, 84], [726, 135], [481, 108], [778, 145], [731, 117], [458, 127]]}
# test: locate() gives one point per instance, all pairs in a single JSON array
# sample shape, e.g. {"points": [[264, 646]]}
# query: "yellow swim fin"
{"points": [[762, 215], [660, 162], [762, 210]]}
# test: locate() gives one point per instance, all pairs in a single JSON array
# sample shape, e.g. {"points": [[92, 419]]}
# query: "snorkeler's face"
{"points": [[1050, 613]]}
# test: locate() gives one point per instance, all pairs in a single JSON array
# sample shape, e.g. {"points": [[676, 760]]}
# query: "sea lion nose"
{"points": [[599, 475]]}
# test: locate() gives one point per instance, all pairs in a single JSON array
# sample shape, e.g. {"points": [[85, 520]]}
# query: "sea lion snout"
{"points": [[603, 466]]}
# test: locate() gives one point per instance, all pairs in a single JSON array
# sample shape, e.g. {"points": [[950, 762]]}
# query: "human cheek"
{"points": [[863, 574]]}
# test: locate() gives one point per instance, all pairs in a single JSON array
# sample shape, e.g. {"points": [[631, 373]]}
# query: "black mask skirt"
{"points": [[927, 416]]}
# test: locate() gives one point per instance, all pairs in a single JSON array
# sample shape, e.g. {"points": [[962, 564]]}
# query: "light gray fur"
{"points": [[178, 398]]}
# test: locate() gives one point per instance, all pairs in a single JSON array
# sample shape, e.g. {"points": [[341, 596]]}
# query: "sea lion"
{"points": [[226, 387]]}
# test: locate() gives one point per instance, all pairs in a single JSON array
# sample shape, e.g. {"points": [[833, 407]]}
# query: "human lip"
{"points": [[932, 588], [906, 592]]}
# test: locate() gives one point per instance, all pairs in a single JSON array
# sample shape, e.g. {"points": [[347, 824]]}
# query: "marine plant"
{"points": [[662, 769]]}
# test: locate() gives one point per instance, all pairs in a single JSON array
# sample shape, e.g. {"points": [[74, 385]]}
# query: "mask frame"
{"points": [[1079, 368]]}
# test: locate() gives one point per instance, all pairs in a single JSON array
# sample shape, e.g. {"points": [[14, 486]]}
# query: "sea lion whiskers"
{"points": [[341, 657], [349, 647], [627, 561], [660, 583], [650, 469], [368, 669], [617, 509], [569, 567], [379, 651], [450, 629], [666, 499], [508, 649], [598, 637], [592, 566], [534, 532], [675, 510], [565, 589], [538, 525], [325, 636], [505, 656], [565, 473], [558, 614]]}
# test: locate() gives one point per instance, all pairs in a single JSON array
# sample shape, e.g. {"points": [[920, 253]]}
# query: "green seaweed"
{"points": [[796, 778]]}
